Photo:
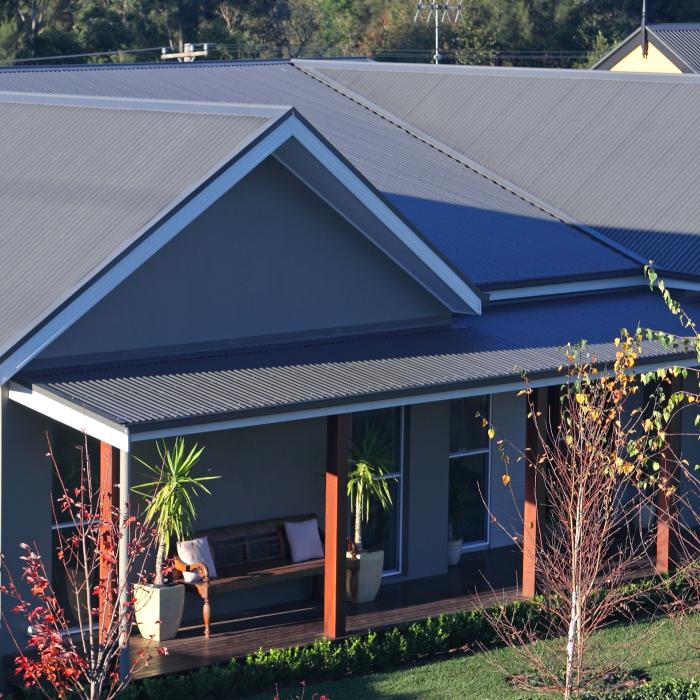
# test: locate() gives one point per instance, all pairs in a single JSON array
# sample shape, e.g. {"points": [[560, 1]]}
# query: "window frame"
{"points": [[399, 476], [485, 543]]}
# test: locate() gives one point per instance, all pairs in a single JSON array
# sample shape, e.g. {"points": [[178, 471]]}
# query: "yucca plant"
{"points": [[371, 459], [169, 497]]}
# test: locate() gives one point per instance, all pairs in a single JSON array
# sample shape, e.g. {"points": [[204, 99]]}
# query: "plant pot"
{"points": [[363, 583], [158, 610], [454, 551]]}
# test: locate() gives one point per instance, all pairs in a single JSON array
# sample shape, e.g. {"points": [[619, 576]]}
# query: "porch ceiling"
{"points": [[214, 390]]}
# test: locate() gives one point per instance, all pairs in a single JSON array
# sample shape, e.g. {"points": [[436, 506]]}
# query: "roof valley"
{"points": [[471, 164]]}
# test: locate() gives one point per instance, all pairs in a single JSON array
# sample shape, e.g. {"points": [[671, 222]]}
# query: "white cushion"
{"points": [[304, 540], [193, 551]]}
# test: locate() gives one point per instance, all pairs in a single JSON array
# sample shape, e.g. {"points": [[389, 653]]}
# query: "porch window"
{"points": [[469, 468], [68, 445], [385, 528]]}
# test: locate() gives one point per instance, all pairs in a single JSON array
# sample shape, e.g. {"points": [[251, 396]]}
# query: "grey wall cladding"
{"points": [[269, 259]]}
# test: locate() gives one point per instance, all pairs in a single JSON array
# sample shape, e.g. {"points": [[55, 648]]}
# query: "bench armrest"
{"points": [[198, 567]]}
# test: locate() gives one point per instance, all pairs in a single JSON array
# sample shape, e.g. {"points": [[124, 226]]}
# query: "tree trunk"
{"points": [[571, 645], [358, 521], [160, 558], [573, 652]]}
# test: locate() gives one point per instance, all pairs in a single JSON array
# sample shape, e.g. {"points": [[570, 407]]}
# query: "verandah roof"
{"points": [[477, 354]]}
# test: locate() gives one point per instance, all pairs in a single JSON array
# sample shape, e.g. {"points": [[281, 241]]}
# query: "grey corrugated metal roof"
{"points": [[682, 39], [80, 182], [476, 351], [617, 152], [492, 235]]}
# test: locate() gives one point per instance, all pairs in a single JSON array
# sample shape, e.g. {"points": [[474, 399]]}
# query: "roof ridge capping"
{"points": [[497, 71], [675, 25], [595, 234], [234, 109], [19, 67]]}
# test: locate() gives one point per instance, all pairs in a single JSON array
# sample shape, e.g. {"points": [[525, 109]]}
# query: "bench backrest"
{"points": [[237, 545]]}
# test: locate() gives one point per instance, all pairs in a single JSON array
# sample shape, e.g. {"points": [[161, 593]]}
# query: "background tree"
{"points": [[511, 32]]}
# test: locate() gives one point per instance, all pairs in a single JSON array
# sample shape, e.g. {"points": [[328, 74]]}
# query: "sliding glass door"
{"points": [[384, 530]]}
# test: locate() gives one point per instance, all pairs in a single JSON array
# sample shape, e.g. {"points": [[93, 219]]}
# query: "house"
{"points": [[264, 256], [656, 48]]}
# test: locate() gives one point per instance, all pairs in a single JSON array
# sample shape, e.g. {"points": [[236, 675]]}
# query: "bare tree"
{"points": [[56, 659], [592, 458]]}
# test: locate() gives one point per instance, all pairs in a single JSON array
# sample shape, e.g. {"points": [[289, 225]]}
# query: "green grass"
{"points": [[662, 649]]}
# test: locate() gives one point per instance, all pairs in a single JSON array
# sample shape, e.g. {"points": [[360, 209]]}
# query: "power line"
{"points": [[91, 54], [256, 50]]}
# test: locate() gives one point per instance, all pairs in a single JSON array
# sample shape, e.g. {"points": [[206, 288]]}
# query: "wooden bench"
{"points": [[246, 556]]}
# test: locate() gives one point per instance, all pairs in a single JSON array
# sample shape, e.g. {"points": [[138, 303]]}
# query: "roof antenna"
{"points": [[438, 12], [188, 55], [645, 33]]}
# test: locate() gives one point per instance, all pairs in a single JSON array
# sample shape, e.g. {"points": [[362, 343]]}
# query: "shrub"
{"points": [[658, 690]]}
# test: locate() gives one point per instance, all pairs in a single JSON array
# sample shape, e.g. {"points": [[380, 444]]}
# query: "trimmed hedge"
{"points": [[467, 630], [325, 659], [657, 690]]}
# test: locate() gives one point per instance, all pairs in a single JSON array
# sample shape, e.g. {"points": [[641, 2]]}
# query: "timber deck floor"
{"points": [[463, 587]]}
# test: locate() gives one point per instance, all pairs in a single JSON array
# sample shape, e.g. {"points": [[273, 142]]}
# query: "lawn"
{"points": [[660, 648]]}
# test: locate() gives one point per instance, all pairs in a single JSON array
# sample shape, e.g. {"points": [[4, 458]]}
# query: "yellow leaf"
{"points": [[580, 398], [491, 433], [484, 422], [505, 479]]}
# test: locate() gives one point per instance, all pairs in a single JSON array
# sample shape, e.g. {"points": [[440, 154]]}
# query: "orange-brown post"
{"points": [[663, 528], [664, 502], [529, 579], [338, 438], [108, 459]]}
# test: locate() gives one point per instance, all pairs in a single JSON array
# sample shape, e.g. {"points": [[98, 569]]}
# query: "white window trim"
{"points": [[485, 543], [399, 476]]}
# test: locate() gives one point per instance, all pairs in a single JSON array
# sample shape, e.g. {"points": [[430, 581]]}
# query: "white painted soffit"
{"points": [[584, 286], [70, 414]]}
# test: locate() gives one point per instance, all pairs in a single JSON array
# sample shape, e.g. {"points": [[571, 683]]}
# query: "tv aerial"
{"points": [[438, 13]]}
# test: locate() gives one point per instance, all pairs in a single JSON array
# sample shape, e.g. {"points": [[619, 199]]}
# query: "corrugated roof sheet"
{"points": [[617, 152], [683, 39], [491, 234], [477, 351], [79, 183]]}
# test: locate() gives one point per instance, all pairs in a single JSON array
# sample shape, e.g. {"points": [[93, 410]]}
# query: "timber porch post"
{"points": [[108, 458], [115, 589], [665, 505], [532, 449], [337, 442]]}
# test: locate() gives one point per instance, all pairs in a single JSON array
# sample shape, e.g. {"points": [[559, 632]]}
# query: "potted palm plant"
{"points": [[371, 459], [170, 509]]}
